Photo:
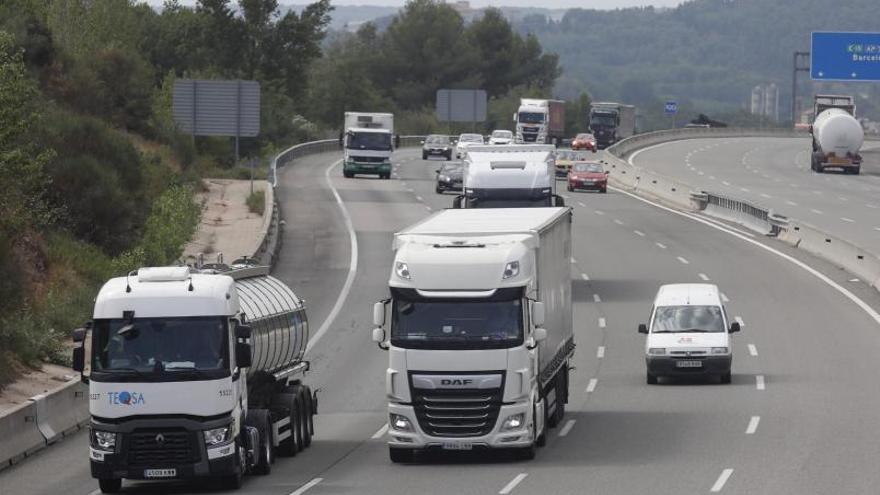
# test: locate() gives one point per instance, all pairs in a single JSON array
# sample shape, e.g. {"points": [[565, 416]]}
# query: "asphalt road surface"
{"points": [[799, 417]]}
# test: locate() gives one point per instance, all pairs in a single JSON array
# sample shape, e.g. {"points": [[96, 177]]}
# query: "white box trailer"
{"points": [[479, 332]]}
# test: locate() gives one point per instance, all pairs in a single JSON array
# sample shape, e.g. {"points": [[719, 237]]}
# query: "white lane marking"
{"points": [[842, 198], [403, 183], [96, 492], [305, 487], [848, 220], [599, 212], [381, 433], [581, 204], [639, 233], [659, 245], [515, 481], [600, 352], [869, 205], [601, 322], [753, 425], [683, 261], [592, 385], [725, 183], [700, 173], [753, 350], [585, 276], [409, 189], [596, 298], [618, 222], [874, 315], [703, 277], [739, 320], [765, 195], [759, 382], [711, 177], [877, 229], [352, 264], [428, 208], [719, 483], [743, 189], [791, 203], [419, 198], [573, 260], [724, 298], [567, 428]]}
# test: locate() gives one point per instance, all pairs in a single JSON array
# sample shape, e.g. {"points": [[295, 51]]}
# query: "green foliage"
{"points": [[256, 202]]}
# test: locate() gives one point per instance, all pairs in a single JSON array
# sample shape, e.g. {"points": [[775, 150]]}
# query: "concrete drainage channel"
{"points": [[63, 411], [641, 181]]}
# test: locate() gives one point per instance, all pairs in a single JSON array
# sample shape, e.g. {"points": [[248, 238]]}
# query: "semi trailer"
{"points": [[540, 121], [194, 374], [478, 330], [837, 135], [611, 122]]}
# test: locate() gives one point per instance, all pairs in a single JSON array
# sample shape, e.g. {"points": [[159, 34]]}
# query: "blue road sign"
{"points": [[671, 107], [845, 56]]}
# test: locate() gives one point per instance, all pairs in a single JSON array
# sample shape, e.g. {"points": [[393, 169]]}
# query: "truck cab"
{"points": [[368, 144], [509, 177], [539, 121]]}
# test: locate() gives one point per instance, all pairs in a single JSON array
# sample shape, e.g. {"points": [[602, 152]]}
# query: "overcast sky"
{"points": [[553, 4]]}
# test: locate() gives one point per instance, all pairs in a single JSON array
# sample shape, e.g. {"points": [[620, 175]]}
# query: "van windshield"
{"points": [[674, 319]]}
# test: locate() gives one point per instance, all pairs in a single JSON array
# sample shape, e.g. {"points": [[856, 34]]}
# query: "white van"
{"points": [[689, 333]]}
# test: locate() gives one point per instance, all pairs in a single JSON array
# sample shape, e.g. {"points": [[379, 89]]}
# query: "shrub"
{"points": [[256, 202]]}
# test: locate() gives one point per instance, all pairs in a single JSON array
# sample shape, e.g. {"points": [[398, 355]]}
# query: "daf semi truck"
{"points": [[837, 135], [611, 122], [478, 329], [367, 144], [540, 121], [509, 177], [194, 374]]}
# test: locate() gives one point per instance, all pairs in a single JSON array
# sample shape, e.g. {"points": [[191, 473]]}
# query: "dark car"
{"points": [[449, 177], [588, 175], [437, 145]]}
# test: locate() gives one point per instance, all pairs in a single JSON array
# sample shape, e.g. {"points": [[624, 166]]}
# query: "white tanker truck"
{"points": [[837, 135], [194, 374]]}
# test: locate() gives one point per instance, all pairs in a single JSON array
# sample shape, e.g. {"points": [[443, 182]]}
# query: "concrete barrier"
{"points": [[843, 253], [20, 434], [60, 411]]}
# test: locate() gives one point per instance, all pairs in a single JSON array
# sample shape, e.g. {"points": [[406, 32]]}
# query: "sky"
{"points": [[550, 4]]}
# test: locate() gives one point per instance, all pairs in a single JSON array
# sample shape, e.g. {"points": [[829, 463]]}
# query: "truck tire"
{"points": [[110, 485], [424, 156], [347, 175], [528, 453], [650, 379], [401, 456], [287, 401], [306, 416], [725, 378], [234, 481], [265, 452]]}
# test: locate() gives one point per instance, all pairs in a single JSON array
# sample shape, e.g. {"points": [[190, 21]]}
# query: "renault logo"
{"points": [[160, 440]]}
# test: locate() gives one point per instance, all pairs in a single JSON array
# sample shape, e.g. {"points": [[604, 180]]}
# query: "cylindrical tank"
{"points": [[836, 131]]}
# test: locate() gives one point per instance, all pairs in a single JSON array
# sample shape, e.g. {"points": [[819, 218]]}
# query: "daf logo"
{"points": [[160, 440], [456, 382]]}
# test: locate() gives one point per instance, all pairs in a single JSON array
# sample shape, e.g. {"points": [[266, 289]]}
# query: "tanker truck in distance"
{"points": [[837, 135], [479, 331], [194, 374], [539, 121]]}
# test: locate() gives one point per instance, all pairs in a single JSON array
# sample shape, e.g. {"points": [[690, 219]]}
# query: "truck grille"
{"points": [[368, 159], [458, 412], [161, 447]]}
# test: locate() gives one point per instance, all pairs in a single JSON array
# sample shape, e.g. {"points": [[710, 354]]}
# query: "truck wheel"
{"points": [[234, 481], [288, 402], [110, 485], [650, 379], [309, 415], [855, 170], [348, 175], [401, 456], [424, 156], [528, 453], [265, 452], [304, 415], [725, 378]]}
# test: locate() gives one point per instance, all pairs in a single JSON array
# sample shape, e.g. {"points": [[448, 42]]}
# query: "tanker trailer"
{"points": [[194, 374], [837, 135]]}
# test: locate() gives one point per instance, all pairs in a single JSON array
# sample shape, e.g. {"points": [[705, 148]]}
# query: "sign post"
{"points": [[845, 56], [671, 108]]}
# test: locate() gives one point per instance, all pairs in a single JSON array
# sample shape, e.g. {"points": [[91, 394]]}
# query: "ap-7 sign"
{"points": [[845, 56]]}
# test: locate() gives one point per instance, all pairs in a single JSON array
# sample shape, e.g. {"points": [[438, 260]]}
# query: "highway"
{"points": [[799, 417], [776, 173]]}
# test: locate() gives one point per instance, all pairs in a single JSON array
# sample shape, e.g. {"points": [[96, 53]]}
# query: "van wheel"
{"points": [[401, 456], [110, 485], [725, 378], [650, 379]]}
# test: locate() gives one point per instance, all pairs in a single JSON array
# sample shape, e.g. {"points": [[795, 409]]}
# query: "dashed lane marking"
{"points": [[305, 487], [753, 350], [759, 382], [591, 387], [600, 352], [381, 433], [753, 425], [720, 482], [515, 481], [567, 428], [703, 277]]}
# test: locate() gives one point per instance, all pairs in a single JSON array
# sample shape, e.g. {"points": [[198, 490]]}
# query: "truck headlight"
{"points": [[104, 440], [657, 351], [511, 270], [402, 270], [719, 350], [444, 178], [399, 422], [514, 422], [216, 436]]}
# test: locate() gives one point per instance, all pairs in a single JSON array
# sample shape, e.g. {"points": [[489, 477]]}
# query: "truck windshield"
{"points": [[161, 349], [603, 120], [376, 141], [460, 323], [531, 118], [674, 319]]}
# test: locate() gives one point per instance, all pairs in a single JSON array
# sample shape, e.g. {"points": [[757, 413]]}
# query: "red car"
{"points": [[584, 141], [587, 175]]}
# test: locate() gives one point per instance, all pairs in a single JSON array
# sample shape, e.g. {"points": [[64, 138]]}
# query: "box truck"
{"points": [[367, 144]]}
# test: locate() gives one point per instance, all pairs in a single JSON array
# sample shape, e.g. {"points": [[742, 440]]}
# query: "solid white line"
{"points": [[352, 264], [381, 433], [753, 350], [739, 320], [724, 298], [585, 276], [703, 277], [510, 486], [639, 233], [601, 322], [305, 487], [596, 298], [759, 382], [567, 428], [850, 220], [600, 352], [661, 246], [684, 261], [753, 425], [719, 484], [592, 385]]}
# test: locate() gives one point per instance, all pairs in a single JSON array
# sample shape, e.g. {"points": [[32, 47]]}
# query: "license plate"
{"points": [[588, 182], [160, 473], [689, 364], [838, 160], [457, 446]]}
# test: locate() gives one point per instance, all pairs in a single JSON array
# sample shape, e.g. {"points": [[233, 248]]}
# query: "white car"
{"points": [[688, 334], [501, 137], [466, 140]]}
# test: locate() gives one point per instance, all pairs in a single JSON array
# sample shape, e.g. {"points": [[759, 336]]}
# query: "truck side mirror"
{"points": [[643, 328], [558, 200], [456, 201], [378, 335], [538, 314], [514, 116], [735, 327], [379, 314], [79, 358], [243, 331], [539, 334], [243, 355]]}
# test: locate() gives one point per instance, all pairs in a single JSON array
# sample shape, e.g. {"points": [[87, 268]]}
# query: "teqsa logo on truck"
{"points": [[126, 398]]}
